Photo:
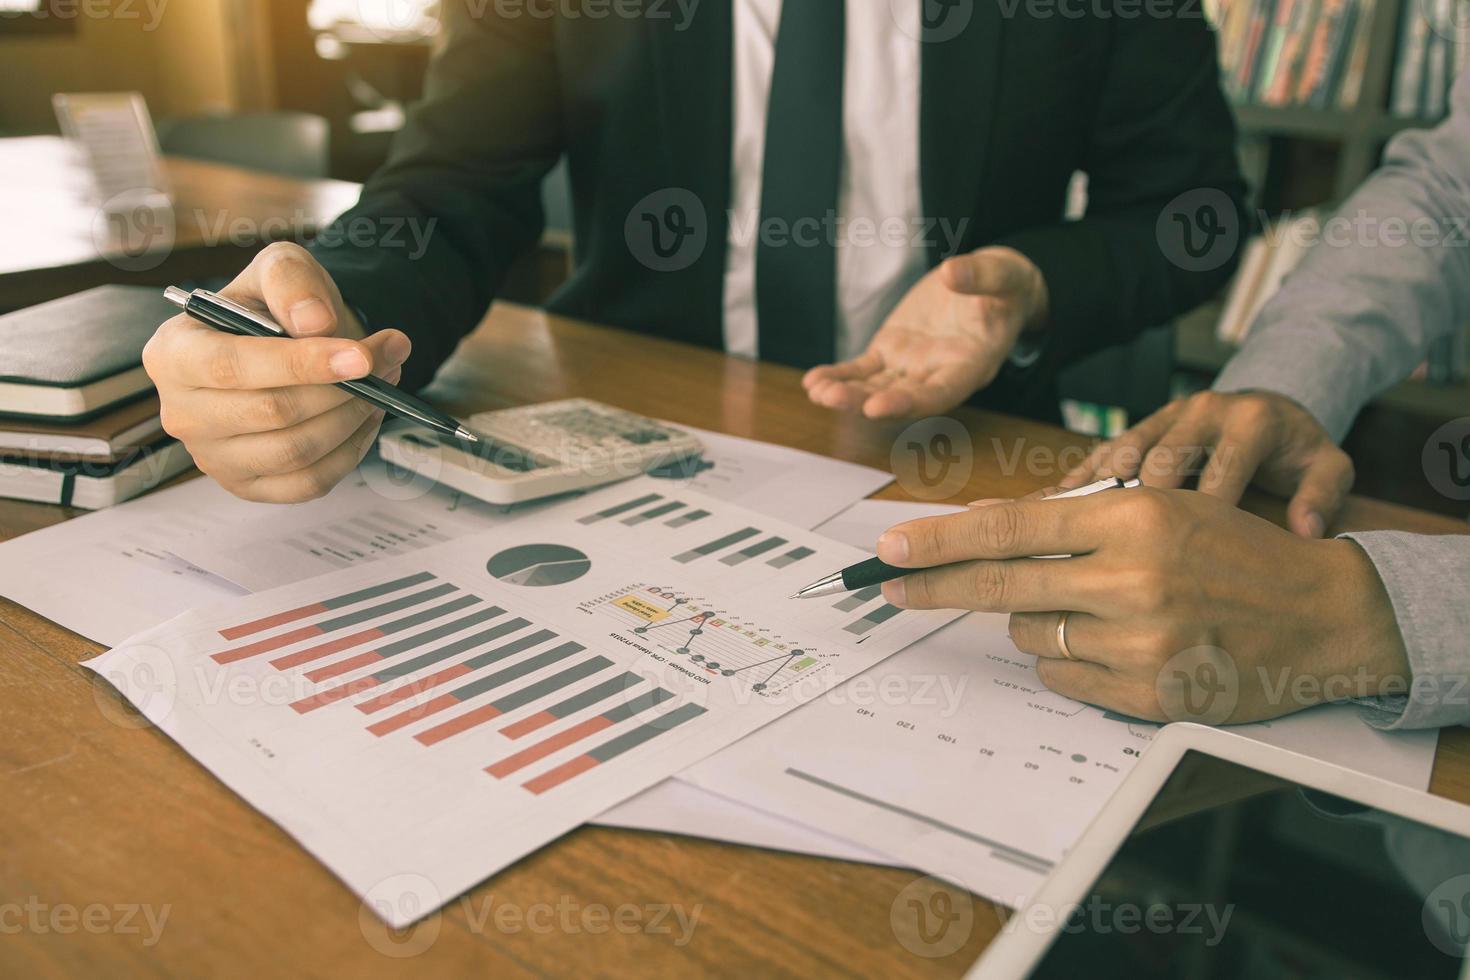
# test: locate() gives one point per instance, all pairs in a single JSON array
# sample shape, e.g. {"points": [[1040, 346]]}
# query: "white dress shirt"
{"points": [[878, 203]]}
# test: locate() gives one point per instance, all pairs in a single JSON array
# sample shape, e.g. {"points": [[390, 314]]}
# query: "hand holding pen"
{"points": [[876, 571]]}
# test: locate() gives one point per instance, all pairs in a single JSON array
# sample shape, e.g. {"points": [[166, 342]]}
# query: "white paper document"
{"points": [[442, 713], [953, 758]]}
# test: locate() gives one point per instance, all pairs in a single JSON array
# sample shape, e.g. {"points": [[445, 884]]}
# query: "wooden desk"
{"points": [[56, 243], [97, 811]]}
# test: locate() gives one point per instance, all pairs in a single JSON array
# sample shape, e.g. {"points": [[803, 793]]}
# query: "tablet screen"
{"points": [[1233, 873]]}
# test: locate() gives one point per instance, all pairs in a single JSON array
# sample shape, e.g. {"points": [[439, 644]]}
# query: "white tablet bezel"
{"points": [[1017, 951]]}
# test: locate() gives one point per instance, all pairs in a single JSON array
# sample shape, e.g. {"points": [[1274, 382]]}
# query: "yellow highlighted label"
{"points": [[643, 610]]}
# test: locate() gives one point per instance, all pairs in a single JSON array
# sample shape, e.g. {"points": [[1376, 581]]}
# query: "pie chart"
{"points": [[539, 564]]}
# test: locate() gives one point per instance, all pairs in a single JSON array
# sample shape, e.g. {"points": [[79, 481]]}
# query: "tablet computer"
{"points": [[1222, 857]]}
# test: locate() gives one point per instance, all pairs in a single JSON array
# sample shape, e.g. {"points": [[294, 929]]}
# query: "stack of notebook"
{"points": [[79, 421]]}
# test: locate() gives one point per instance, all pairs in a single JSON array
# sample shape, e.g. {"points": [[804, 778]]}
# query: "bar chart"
{"points": [[456, 664]]}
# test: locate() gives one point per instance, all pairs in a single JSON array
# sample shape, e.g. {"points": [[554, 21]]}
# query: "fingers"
{"points": [[1095, 684], [1015, 529], [1320, 495], [1178, 452], [1122, 457], [843, 386], [1234, 460], [314, 481], [1087, 636], [295, 288], [213, 414], [938, 392], [185, 353], [987, 272], [248, 457], [1020, 585]]}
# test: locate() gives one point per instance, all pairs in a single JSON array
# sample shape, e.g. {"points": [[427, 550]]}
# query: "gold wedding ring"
{"points": [[1062, 637]]}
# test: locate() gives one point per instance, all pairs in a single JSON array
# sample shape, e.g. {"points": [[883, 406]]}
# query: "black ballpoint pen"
{"points": [[228, 316], [875, 571]]}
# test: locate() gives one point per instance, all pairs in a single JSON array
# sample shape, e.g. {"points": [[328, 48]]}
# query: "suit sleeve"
{"points": [[1161, 148], [438, 227]]}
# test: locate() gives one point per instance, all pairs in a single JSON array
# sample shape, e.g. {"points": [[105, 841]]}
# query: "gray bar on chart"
{"points": [[585, 699], [372, 612], [759, 548], [438, 632], [858, 598], [603, 515], [514, 671], [429, 615], [882, 614], [641, 703], [557, 681], [450, 649], [791, 557], [658, 511], [629, 740], [719, 544], [689, 518]]}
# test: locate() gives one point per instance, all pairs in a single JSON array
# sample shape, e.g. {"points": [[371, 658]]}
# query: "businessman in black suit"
{"points": [[876, 197]]}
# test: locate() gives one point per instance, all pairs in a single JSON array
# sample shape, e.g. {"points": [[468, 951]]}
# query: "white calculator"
{"points": [[540, 450]]}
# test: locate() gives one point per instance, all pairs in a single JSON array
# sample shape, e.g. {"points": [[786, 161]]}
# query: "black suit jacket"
{"points": [[1011, 106]]}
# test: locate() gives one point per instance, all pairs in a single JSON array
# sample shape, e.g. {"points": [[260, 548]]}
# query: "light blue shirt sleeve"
{"points": [[1390, 275]]}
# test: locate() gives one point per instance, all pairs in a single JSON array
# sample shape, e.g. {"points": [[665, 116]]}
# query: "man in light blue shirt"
{"points": [[1174, 595]]}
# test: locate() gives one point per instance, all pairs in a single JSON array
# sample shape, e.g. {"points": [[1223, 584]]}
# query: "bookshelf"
{"points": [[1301, 156]]}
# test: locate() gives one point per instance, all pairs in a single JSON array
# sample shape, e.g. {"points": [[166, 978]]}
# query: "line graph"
{"points": [[692, 629]]}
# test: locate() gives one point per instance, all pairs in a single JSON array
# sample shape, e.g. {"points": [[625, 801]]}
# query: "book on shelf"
{"points": [[1268, 259], [1284, 53]]}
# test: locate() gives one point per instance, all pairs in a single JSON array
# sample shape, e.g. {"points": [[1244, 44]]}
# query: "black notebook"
{"points": [[74, 357]]}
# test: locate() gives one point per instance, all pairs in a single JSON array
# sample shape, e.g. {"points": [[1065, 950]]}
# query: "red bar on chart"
{"points": [[326, 605], [514, 700], [579, 731], [612, 748]]}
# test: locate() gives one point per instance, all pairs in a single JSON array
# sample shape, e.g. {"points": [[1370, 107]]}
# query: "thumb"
{"points": [[1320, 495], [986, 272], [298, 292]]}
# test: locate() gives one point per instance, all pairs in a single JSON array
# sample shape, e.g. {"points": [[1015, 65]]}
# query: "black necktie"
{"points": [[795, 255]]}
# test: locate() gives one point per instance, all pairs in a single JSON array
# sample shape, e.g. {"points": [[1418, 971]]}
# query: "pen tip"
{"points": [[466, 434]]}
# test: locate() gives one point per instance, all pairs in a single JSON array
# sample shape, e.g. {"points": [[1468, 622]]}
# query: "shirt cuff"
{"points": [[1309, 367], [1428, 582]]}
